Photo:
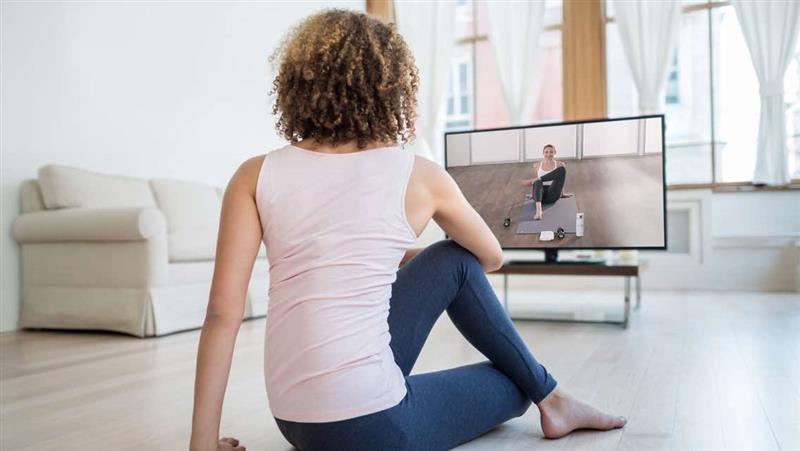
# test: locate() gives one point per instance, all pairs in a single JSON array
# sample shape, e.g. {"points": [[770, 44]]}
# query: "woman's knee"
{"points": [[561, 170], [448, 247]]}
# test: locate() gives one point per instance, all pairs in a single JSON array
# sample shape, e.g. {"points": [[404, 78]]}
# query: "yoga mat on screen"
{"points": [[559, 214]]}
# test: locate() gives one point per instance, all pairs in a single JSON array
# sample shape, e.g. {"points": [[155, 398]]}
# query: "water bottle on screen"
{"points": [[579, 224]]}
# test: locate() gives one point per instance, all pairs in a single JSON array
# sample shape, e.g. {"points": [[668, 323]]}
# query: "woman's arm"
{"points": [[237, 246], [457, 218], [529, 182], [410, 253]]}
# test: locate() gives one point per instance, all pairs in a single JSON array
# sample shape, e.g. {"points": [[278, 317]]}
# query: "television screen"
{"points": [[573, 185]]}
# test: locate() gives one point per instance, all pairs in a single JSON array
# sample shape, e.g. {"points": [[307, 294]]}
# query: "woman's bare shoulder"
{"points": [[253, 164], [246, 175], [429, 176], [426, 166], [429, 170]]}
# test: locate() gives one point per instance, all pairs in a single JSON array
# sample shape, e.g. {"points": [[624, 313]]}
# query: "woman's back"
{"points": [[335, 230]]}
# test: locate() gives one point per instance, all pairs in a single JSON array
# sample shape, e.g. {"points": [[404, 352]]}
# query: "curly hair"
{"points": [[344, 76]]}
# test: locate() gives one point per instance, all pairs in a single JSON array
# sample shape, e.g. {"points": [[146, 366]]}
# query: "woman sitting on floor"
{"points": [[351, 302], [548, 184]]}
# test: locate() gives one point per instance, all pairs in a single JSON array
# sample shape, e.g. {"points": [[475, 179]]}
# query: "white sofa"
{"points": [[107, 252]]}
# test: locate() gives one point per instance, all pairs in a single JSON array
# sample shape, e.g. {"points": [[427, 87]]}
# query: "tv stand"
{"points": [[626, 269]]}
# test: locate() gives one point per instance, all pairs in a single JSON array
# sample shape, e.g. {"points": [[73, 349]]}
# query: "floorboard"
{"points": [[694, 371]]}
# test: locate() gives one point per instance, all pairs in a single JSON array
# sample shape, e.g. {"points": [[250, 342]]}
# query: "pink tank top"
{"points": [[335, 229]]}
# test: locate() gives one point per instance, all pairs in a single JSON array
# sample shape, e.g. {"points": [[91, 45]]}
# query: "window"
{"points": [[737, 103], [711, 97], [460, 99], [464, 11], [687, 98], [459, 96], [673, 87], [474, 95], [712, 101], [792, 93]]}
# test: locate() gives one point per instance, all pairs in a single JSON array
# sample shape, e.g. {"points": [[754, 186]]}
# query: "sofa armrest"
{"points": [[83, 224]]}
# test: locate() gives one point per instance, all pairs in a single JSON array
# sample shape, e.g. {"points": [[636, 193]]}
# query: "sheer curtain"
{"points": [[770, 30], [648, 31], [428, 28], [514, 33]]}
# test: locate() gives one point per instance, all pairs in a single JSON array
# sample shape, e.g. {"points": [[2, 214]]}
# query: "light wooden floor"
{"points": [[621, 199], [700, 371]]}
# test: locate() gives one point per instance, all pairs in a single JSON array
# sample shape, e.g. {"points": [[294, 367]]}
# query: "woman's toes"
{"points": [[612, 422]]}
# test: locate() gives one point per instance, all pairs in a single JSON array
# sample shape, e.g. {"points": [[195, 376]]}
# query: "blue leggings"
{"points": [[445, 408]]}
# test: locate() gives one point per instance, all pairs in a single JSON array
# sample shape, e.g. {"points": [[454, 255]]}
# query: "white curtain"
{"points": [[648, 31], [428, 28], [770, 30], [514, 33]]}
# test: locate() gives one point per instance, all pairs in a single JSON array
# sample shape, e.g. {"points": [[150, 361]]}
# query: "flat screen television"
{"points": [[593, 184]]}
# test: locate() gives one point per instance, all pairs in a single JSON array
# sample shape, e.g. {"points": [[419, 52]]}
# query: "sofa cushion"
{"points": [[30, 197], [192, 212], [68, 187]]}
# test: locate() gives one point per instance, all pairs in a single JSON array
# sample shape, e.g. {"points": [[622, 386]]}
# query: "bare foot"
{"points": [[567, 194], [538, 214], [562, 414]]}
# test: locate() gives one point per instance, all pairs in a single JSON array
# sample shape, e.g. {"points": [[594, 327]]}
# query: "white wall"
{"points": [[755, 214], [623, 137], [611, 138], [738, 241], [563, 138], [458, 149], [653, 136], [153, 90], [500, 146]]}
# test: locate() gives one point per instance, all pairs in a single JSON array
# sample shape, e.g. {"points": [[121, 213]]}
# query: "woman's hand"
{"points": [[229, 444], [410, 253], [528, 182]]}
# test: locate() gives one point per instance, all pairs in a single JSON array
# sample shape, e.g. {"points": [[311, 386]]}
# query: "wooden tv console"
{"points": [[626, 269]]}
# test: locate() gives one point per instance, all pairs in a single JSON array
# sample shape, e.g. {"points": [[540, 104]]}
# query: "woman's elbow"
{"points": [[232, 316], [494, 263]]}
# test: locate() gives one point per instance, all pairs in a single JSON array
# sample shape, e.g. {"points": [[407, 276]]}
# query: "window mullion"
{"points": [[712, 99]]}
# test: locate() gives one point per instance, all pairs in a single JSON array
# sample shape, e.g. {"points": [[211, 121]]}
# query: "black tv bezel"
{"points": [[588, 121]]}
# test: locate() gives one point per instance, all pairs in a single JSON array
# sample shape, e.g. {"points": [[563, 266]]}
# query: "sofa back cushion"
{"points": [[192, 212], [30, 196], [68, 187]]}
